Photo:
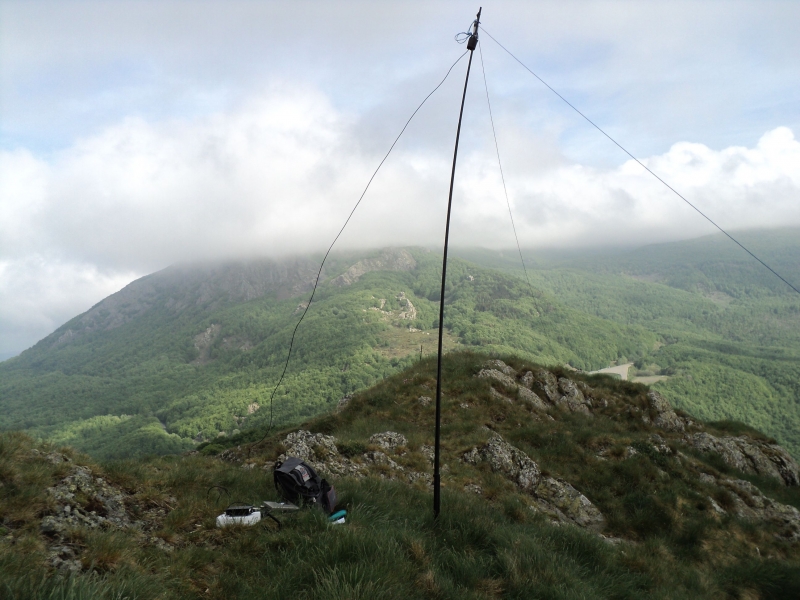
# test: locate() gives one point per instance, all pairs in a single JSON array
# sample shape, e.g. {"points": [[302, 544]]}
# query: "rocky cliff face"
{"points": [[389, 260]]}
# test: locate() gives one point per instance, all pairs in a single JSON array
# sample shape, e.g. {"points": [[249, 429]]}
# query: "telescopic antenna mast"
{"points": [[472, 43]]}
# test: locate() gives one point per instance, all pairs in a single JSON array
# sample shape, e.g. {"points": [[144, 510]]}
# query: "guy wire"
{"points": [[645, 167], [502, 176], [322, 264]]}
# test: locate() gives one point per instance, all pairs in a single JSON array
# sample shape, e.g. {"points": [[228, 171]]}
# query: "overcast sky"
{"points": [[137, 134]]}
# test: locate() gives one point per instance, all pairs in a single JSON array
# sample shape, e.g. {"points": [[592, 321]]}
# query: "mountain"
{"points": [[192, 354], [555, 484]]}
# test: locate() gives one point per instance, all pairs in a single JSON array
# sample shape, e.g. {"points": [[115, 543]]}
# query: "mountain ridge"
{"points": [[187, 363]]}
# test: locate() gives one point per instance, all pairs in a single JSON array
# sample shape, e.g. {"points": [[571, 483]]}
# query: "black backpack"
{"points": [[299, 483]]}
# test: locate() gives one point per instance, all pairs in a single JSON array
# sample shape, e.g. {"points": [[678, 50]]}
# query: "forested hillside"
{"points": [[192, 353], [189, 354], [728, 329]]}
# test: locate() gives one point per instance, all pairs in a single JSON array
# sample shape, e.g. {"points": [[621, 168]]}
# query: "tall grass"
{"points": [[489, 546]]}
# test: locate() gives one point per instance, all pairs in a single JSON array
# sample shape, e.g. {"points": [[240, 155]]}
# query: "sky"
{"points": [[134, 135]]}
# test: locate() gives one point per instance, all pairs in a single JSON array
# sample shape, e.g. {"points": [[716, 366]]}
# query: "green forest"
{"points": [[184, 362]]}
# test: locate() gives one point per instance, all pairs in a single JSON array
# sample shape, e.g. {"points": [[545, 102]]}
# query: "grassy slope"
{"points": [[482, 547]]}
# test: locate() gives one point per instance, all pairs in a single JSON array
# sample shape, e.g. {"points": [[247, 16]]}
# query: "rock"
{"points": [[716, 507], [379, 458], [389, 260], [388, 440], [508, 460], [415, 476], [560, 500], [665, 417], [572, 398], [343, 403], [321, 453], [707, 479], [473, 488], [499, 376], [526, 395], [311, 447], [545, 385], [428, 452], [56, 458], [493, 393], [748, 455], [751, 504], [659, 445], [502, 367], [527, 379], [424, 400]]}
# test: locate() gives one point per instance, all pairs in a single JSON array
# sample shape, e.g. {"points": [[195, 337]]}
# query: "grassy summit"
{"points": [[677, 521]]}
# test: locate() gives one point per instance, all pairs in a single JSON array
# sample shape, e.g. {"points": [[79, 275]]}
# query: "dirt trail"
{"points": [[621, 370]]}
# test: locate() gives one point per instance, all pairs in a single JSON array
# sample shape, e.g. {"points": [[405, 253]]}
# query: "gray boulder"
{"points": [[554, 497], [499, 376], [311, 447], [560, 500], [665, 417], [502, 367], [527, 379], [388, 440], [526, 395], [508, 460], [545, 385], [572, 398]]}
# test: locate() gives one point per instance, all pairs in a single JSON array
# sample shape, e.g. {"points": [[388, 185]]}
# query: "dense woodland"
{"points": [[724, 332]]}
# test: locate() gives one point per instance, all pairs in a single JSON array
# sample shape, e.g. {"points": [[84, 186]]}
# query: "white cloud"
{"points": [[573, 204], [38, 295], [279, 175]]}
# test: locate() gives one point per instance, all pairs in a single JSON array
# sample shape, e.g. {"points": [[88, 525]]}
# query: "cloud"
{"points": [[40, 294], [576, 205], [280, 173]]}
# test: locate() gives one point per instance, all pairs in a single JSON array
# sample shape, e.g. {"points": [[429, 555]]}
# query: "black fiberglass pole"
{"points": [[471, 45]]}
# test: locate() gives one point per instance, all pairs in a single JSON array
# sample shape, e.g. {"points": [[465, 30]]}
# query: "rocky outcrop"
{"points": [[389, 440], [508, 460], [572, 398], [83, 500], [311, 447], [540, 388], [664, 416], [408, 311], [526, 395], [748, 455], [545, 384], [499, 365], [321, 453], [559, 500], [390, 260], [554, 497], [745, 501], [498, 376]]}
